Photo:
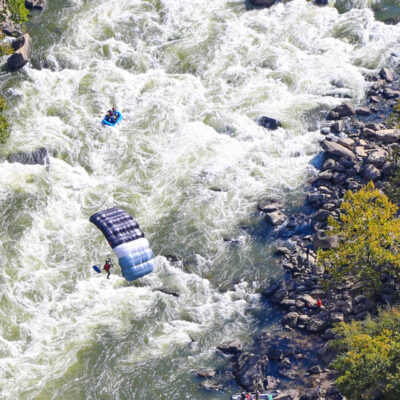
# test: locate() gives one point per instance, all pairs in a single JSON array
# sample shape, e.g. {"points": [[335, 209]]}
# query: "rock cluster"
{"points": [[357, 145]]}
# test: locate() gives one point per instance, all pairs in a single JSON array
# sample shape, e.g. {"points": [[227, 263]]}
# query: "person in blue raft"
{"points": [[112, 117]]}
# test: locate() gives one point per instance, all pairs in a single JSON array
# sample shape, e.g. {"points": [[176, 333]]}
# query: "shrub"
{"points": [[368, 363], [370, 237], [19, 13]]}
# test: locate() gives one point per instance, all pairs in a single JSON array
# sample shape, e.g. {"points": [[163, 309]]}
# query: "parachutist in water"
{"points": [[107, 267]]}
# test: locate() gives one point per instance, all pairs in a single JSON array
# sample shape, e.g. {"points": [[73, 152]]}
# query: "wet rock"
{"points": [[290, 319], [370, 172], [270, 207], [276, 218], [10, 29], [232, 347], [249, 370], [307, 299], [363, 111], [40, 156], [337, 126], [390, 93], [23, 53], [321, 241], [279, 295], [384, 135], [315, 324], [345, 110], [266, 122], [386, 74], [282, 251], [206, 373], [321, 215], [38, 4], [337, 150], [271, 289]]}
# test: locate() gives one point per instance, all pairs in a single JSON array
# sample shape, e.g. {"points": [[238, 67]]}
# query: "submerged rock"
{"points": [[250, 370], [269, 123], [40, 156], [231, 347]]}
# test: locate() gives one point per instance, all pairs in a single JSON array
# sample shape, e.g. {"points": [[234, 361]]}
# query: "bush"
{"points": [[369, 358], [19, 13], [370, 237]]}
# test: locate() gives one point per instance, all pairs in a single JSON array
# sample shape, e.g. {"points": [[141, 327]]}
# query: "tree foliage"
{"points": [[19, 12], [370, 238], [368, 363]]}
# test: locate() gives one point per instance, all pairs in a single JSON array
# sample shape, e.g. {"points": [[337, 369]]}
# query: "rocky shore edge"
{"points": [[357, 148], [22, 45]]}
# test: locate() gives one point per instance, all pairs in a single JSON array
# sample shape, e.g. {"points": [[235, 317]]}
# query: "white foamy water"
{"points": [[189, 162]]}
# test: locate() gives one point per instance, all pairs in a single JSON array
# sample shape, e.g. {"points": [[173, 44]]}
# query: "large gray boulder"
{"points": [[322, 241], [345, 110], [386, 74], [384, 135], [40, 156], [337, 150], [232, 347], [249, 370], [276, 218], [23, 51], [38, 4]]}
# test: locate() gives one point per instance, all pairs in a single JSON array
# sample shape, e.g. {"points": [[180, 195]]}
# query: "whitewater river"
{"points": [[189, 162]]}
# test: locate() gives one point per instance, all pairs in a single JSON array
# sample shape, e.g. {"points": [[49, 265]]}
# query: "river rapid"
{"points": [[189, 162]]}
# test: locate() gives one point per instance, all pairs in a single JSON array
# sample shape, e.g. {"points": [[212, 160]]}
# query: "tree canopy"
{"points": [[369, 238], [369, 357]]}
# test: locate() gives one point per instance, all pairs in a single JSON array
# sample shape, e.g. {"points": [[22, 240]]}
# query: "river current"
{"points": [[189, 162]]}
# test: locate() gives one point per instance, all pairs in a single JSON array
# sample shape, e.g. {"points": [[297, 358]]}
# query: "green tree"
{"points": [[19, 12], [369, 238], [368, 363]]}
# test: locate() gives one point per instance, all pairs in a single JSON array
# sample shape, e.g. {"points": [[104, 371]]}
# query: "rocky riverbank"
{"points": [[357, 148], [12, 25]]}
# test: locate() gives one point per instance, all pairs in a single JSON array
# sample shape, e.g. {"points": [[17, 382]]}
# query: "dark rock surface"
{"points": [[40, 156], [22, 54]]}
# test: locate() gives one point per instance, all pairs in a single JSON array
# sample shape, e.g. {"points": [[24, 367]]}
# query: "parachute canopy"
{"points": [[127, 240]]}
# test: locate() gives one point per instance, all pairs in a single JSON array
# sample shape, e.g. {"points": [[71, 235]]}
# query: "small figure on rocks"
{"points": [[257, 395], [319, 303], [243, 396]]}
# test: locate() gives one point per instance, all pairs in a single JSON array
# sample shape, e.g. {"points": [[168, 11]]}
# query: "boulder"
{"points": [[271, 289], [386, 74], [377, 157], [270, 207], [345, 110], [384, 135], [276, 218], [232, 347], [337, 150], [390, 93], [279, 296], [40, 156], [23, 53], [307, 299], [249, 370], [315, 324], [290, 319], [266, 122], [321, 241], [38, 4], [206, 373], [363, 111], [370, 172]]}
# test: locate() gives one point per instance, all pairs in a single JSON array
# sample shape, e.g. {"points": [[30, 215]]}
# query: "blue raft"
{"points": [[106, 120]]}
